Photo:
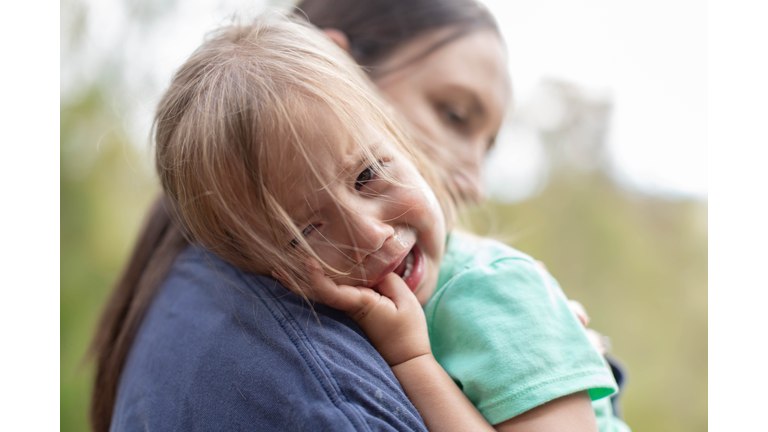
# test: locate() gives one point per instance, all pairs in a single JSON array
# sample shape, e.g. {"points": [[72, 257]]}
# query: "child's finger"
{"points": [[394, 287], [342, 297], [600, 342], [579, 311]]}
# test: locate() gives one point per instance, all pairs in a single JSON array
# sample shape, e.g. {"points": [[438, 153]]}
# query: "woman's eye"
{"points": [[455, 116], [452, 117], [364, 177], [305, 232]]}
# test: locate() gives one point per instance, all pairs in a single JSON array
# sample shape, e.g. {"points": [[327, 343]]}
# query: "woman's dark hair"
{"points": [[374, 28], [156, 249]]}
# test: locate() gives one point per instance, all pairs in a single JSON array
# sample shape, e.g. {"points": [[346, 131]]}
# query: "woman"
{"points": [[442, 64], [194, 343]]}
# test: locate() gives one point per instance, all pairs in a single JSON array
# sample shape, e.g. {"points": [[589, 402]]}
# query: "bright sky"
{"points": [[649, 57]]}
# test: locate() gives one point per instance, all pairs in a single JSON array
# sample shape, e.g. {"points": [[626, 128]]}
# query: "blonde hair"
{"points": [[235, 109]]}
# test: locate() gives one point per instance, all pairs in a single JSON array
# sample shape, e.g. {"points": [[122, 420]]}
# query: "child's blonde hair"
{"points": [[235, 110]]}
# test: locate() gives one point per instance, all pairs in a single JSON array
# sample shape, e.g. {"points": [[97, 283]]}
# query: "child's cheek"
{"points": [[429, 197]]}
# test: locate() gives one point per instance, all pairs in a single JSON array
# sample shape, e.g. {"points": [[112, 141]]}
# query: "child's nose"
{"points": [[369, 233]]}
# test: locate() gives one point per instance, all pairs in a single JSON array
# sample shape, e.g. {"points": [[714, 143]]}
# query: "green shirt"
{"points": [[501, 327]]}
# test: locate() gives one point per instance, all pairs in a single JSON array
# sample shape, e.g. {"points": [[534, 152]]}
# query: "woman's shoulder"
{"points": [[224, 349]]}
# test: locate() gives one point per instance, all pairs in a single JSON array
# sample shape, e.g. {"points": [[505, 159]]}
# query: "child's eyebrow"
{"points": [[362, 159], [355, 164]]}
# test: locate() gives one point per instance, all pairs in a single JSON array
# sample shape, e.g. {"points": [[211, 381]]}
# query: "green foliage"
{"points": [[105, 189]]}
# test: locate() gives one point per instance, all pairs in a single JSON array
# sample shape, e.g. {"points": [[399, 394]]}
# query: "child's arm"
{"points": [[572, 413], [395, 324], [394, 321]]}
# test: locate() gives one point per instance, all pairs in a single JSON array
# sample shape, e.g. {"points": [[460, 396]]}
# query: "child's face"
{"points": [[359, 223]]}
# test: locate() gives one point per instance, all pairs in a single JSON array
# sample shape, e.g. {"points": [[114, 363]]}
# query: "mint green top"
{"points": [[501, 328]]}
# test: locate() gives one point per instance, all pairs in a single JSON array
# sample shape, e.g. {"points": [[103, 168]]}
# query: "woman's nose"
{"points": [[469, 187], [468, 180]]}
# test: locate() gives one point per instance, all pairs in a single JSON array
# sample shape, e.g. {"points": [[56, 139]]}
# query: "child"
{"points": [[280, 158]]}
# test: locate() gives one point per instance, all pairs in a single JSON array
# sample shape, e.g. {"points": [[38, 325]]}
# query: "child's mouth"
{"points": [[406, 267], [412, 268]]}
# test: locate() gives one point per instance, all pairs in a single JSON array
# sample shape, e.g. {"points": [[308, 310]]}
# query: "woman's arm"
{"points": [[394, 322]]}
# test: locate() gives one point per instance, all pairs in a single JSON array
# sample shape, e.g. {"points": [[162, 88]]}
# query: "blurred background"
{"points": [[599, 171]]}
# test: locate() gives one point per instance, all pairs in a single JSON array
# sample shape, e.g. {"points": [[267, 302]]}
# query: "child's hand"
{"points": [[392, 317], [578, 310]]}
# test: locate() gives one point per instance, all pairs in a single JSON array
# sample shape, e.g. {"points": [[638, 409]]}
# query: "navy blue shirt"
{"points": [[221, 349]]}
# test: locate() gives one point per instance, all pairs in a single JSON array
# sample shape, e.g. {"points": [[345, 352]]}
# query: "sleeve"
{"points": [[606, 420], [506, 336]]}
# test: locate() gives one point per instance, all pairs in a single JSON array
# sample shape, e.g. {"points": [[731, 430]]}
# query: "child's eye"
{"points": [[304, 233], [364, 177]]}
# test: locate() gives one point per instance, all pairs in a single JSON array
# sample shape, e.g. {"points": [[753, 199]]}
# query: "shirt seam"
{"points": [[438, 296]]}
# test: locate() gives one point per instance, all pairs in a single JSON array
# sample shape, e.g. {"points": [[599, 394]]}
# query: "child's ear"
{"points": [[338, 37]]}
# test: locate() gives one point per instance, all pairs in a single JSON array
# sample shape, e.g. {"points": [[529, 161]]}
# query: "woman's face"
{"points": [[456, 97]]}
